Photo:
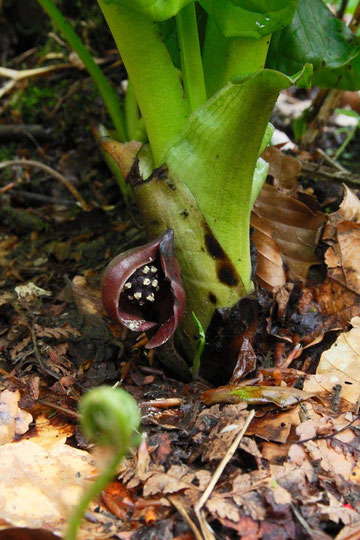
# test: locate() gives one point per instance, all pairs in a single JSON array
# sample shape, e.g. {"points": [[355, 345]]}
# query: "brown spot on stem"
{"points": [[213, 246], [225, 269], [227, 274], [212, 298]]}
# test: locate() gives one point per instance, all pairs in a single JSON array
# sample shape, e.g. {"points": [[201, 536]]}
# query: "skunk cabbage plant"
{"points": [[206, 76]]}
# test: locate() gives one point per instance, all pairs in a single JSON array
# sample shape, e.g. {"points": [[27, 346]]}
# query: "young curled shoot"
{"points": [[109, 417]]}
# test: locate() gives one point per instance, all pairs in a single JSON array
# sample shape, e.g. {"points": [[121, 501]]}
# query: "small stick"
{"points": [[182, 511], [316, 170], [332, 161], [229, 454], [19, 131], [64, 181]]}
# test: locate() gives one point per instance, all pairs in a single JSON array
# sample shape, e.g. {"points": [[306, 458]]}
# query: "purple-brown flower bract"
{"points": [[142, 289]]}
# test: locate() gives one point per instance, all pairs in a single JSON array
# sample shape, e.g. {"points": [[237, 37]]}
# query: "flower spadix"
{"points": [[142, 289]]}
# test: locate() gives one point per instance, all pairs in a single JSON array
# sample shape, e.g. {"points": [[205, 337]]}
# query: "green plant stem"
{"points": [[214, 51], [200, 345], [244, 56], [99, 131], [90, 494], [106, 91], [158, 90], [340, 150], [193, 75], [131, 111]]}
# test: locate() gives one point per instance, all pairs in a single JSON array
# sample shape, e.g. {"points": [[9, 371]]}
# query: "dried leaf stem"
{"points": [[62, 179]]}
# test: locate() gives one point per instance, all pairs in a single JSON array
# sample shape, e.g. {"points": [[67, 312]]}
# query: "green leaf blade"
{"points": [[250, 18], [315, 36], [157, 10]]}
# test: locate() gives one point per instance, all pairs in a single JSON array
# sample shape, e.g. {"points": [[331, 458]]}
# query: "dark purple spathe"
{"points": [[169, 304]]}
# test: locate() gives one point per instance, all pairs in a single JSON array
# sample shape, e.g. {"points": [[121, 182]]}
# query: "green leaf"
{"points": [[250, 18], [316, 36], [344, 78], [157, 10]]}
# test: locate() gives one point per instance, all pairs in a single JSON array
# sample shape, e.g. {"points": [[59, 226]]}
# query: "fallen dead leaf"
{"points": [[328, 306], [349, 210], [341, 364], [53, 478], [24, 533], [295, 228], [42, 469], [220, 437], [343, 258], [270, 266], [275, 425], [87, 299], [13, 420], [284, 169]]}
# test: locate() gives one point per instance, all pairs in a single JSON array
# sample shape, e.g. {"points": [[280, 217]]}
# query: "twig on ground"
{"points": [[19, 131], [63, 410], [302, 521], [20, 193], [316, 170], [175, 501], [62, 179], [17, 75], [229, 454], [331, 161], [331, 435]]}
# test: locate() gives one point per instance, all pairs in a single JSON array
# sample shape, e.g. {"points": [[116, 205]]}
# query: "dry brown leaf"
{"points": [[64, 332], [350, 532], [25, 533], [349, 210], [87, 299], [343, 258], [223, 508], [13, 420], [252, 504], [342, 363], [229, 424], [42, 469], [284, 169], [270, 267], [178, 477], [294, 227], [275, 426], [337, 513], [337, 453], [53, 478], [48, 434], [332, 304]]}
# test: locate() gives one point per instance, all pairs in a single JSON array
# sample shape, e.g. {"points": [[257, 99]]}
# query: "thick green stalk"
{"points": [[131, 111], [107, 93], [158, 90], [192, 69], [244, 56], [214, 51]]}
